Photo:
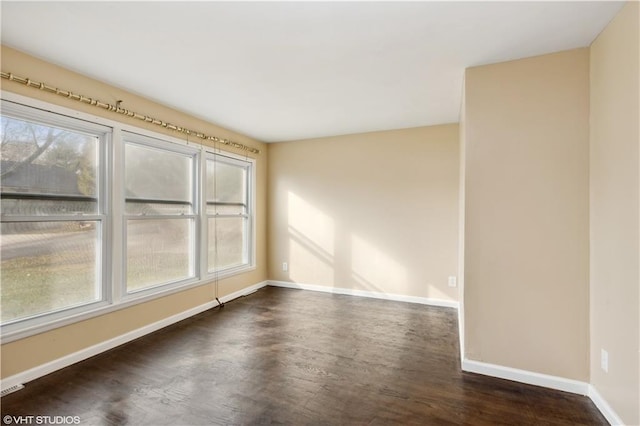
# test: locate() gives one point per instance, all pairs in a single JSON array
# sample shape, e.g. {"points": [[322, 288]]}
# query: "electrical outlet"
{"points": [[453, 282], [285, 266], [604, 360]]}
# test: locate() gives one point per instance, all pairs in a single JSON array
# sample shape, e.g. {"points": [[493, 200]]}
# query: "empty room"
{"points": [[336, 213]]}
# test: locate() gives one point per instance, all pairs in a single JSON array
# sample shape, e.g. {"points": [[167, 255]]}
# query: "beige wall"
{"points": [[23, 354], [380, 212], [375, 211], [526, 245], [615, 278]]}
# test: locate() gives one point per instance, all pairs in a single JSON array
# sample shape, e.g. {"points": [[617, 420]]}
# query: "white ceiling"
{"points": [[281, 71]]}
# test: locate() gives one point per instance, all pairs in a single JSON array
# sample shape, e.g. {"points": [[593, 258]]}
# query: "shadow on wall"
{"points": [[322, 253], [311, 243], [371, 212]]}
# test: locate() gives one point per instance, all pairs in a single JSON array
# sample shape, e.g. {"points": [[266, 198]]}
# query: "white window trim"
{"points": [[115, 296], [194, 216], [250, 213], [103, 274]]}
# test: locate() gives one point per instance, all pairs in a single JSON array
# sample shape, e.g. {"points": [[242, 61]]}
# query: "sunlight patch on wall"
{"points": [[311, 243], [308, 265], [376, 270], [311, 223]]}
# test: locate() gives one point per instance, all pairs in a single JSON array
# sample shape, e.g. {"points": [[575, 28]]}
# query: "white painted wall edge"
{"points": [[67, 360], [366, 293], [547, 381], [604, 407], [524, 376]]}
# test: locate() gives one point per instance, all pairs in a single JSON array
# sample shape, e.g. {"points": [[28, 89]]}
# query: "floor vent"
{"points": [[11, 389]]}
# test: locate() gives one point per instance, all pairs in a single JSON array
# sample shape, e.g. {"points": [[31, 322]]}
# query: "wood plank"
{"points": [[296, 357]]}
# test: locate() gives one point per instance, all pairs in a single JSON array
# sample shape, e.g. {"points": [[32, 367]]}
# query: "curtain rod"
{"points": [[116, 108]]}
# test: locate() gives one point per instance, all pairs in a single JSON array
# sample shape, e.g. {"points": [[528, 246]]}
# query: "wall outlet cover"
{"points": [[604, 360]]}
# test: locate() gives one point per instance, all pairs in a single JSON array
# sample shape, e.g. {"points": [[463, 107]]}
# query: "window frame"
{"points": [[249, 216], [195, 216], [21, 112], [114, 293]]}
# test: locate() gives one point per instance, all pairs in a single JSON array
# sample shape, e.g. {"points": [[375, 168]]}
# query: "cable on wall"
{"points": [[118, 110], [216, 282]]}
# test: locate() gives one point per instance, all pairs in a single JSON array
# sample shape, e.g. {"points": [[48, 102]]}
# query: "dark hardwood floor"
{"points": [[296, 357]]}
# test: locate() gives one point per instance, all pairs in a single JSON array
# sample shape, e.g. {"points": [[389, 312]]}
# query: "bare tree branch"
{"points": [[5, 126], [51, 138]]}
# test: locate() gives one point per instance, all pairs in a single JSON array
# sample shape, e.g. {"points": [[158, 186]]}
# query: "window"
{"points": [[160, 213], [53, 221], [97, 215], [228, 213]]}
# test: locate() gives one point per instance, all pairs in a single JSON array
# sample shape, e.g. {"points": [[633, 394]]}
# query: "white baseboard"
{"points": [[547, 381], [604, 407], [514, 374], [366, 293], [524, 376], [65, 361], [244, 292]]}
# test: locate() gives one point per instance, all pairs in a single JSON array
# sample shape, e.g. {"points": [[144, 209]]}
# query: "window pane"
{"points": [[226, 182], [47, 170], [158, 252], [226, 242], [156, 175], [48, 266]]}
